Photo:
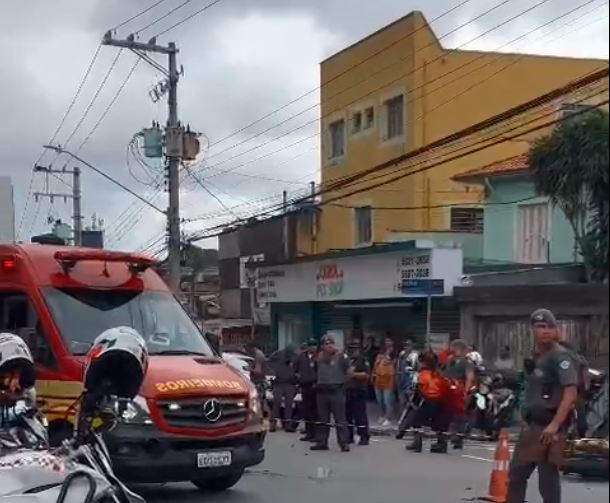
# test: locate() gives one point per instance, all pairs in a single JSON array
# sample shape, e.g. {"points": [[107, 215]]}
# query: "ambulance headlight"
{"points": [[134, 411], [254, 403]]}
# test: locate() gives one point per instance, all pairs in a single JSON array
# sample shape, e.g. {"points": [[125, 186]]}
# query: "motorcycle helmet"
{"points": [[17, 372], [117, 363]]}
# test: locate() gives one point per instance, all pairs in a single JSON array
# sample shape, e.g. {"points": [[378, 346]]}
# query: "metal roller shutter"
{"points": [[445, 317], [331, 318]]}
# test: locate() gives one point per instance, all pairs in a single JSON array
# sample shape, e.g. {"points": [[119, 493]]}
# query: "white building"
{"points": [[7, 211]]}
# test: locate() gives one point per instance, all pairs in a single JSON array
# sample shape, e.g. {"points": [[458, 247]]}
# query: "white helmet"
{"points": [[118, 360], [16, 362]]}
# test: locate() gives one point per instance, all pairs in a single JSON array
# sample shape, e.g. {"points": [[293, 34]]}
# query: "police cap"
{"points": [[543, 316]]}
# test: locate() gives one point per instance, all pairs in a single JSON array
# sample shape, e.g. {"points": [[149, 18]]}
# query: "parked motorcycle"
{"points": [[80, 470]]}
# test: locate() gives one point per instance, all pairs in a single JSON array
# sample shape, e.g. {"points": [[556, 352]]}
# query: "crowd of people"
{"points": [[337, 386]]}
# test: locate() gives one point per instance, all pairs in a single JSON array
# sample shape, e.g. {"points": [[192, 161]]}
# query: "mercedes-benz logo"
{"points": [[212, 410]]}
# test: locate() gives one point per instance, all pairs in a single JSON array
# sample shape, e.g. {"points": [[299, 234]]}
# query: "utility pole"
{"points": [[174, 143], [76, 196]]}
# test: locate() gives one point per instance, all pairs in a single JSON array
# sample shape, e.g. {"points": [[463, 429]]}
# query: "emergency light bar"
{"points": [[135, 262], [8, 263]]}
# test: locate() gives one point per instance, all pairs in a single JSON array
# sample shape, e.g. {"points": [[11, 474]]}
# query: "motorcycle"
{"points": [[494, 403], [80, 470]]}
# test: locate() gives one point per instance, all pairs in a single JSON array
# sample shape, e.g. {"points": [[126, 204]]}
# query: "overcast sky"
{"points": [[242, 60]]}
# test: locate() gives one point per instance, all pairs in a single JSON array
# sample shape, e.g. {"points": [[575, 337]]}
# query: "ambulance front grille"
{"points": [[204, 413]]}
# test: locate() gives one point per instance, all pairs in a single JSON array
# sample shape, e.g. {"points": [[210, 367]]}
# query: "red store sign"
{"points": [[329, 272]]}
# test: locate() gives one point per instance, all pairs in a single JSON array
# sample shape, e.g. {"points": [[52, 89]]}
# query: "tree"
{"points": [[571, 168], [199, 259]]}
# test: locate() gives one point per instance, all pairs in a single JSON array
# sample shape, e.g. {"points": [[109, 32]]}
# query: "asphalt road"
{"points": [[381, 473]]}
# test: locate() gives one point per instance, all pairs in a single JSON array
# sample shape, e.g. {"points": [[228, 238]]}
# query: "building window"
{"points": [[467, 220], [369, 117], [363, 217], [533, 240], [575, 110], [337, 139], [395, 116], [356, 122]]}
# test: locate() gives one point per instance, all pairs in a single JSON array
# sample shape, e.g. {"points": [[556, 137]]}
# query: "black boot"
{"points": [[319, 447], [458, 442], [418, 443], [440, 445]]}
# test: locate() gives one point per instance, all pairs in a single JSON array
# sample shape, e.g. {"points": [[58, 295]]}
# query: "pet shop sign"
{"points": [[329, 281]]}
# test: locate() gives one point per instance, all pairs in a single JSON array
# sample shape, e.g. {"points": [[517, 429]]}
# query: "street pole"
{"points": [[77, 214], [173, 176], [174, 139], [76, 196], [428, 319]]}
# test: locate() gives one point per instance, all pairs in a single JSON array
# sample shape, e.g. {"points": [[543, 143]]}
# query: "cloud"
{"points": [[242, 60]]}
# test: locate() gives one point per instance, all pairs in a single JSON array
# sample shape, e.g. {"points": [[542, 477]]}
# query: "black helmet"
{"points": [[117, 363]]}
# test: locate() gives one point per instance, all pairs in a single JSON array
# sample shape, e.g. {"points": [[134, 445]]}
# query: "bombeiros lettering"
{"points": [[190, 384]]}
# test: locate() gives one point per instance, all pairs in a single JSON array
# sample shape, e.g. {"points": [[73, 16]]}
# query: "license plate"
{"points": [[214, 459]]}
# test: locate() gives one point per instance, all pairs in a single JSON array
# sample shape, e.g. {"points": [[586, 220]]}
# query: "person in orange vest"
{"points": [[431, 386]]}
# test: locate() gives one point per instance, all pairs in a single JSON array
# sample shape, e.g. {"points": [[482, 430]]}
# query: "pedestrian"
{"points": [[384, 378], [505, 360], [334, 370], [258, 372], [551, 389], [283, 364], [406, 367], [307, 369], [462, 371], [357, 393]]}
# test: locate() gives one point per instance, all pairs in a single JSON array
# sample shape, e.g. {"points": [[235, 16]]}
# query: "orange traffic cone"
{"points": [[498, 482]]}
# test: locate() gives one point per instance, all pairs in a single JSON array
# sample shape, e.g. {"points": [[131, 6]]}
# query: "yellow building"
{"points": [[397, 90]]}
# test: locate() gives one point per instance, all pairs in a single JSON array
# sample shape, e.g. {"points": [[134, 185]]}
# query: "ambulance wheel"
{"points": [[219, 484], [58, 432]]}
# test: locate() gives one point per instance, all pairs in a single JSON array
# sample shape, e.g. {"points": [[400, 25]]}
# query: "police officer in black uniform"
{"points": [[334, 370], [307, 374], [357, 394], [550, 394]]}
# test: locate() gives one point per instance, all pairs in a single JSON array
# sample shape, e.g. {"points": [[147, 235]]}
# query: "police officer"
{"points": [[357, 394], [334, 369], [550, 394], [283, 365], [307, 375]]}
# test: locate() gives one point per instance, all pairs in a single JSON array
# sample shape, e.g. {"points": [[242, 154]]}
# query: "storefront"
{"points": [[400, 290]]}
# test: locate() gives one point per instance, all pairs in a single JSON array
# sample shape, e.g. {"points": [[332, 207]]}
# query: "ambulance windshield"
{"points": [[83, 314]]}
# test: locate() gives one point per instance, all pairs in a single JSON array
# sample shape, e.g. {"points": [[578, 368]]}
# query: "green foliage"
{"points": [[571, 168], [199, 258]]}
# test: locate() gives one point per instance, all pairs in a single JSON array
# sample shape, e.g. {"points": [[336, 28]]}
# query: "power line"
{"points": [[188, 18], [341, 74], [512, 62], [461, 76], [165, 16], [368, 77], [110, 105], [138, 15], [486, 144], [202, 185], [61, 150]]}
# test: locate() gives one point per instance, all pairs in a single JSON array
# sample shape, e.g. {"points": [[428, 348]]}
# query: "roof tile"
{"points": [[510, 166]]}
